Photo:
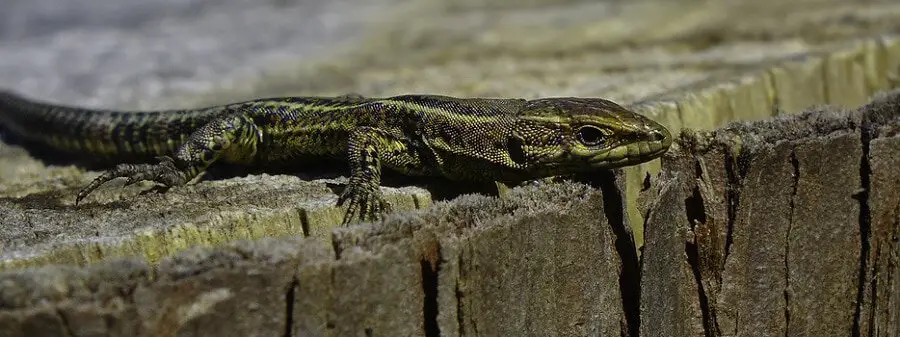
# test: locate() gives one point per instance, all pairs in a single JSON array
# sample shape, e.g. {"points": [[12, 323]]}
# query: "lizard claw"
{"points": [[363, 204], [165, 173]]}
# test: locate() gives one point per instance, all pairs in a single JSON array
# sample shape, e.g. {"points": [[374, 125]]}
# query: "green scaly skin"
{"points": [[475, 139]]}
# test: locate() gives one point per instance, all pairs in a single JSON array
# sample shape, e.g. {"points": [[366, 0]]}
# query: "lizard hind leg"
{"points": [[191, 159]]}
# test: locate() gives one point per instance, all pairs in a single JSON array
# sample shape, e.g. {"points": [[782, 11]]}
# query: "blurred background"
{"points": [[126, 52], [168, 53]]}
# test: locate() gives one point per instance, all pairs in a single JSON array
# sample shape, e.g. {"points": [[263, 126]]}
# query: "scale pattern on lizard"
{"points": [[477, 139]]}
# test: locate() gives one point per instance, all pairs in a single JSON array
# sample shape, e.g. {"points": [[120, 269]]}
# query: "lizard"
{"points": [[469, 139]]}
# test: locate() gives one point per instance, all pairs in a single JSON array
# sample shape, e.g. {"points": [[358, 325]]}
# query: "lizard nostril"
{"points": [[655, 136]]}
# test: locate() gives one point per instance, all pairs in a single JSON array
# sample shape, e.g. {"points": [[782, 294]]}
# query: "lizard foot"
{"points": [[363, 204], [165, 173]]}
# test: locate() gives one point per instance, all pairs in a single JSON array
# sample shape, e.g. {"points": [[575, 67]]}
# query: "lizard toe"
{"points": [[362, 205], [379, 207], [351, 214], [165, 173]]}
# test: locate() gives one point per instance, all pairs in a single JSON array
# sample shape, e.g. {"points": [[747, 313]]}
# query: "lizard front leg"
{"points": [[235, 134], [367, 149]]}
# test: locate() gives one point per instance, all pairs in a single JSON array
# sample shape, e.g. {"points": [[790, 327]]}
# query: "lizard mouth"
{"points": [[631, 153]]}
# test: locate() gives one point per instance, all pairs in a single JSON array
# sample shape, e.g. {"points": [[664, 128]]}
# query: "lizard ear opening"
{"points": [[514, 146]]}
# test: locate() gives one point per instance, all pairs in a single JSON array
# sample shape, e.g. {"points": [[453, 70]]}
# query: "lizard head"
{"points": [[571, 135]]}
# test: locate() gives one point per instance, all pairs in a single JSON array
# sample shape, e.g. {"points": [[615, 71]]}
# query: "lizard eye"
{"points": [[590, 135]]}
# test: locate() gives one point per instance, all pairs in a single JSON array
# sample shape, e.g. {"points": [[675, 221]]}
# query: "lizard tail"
{"points": [[104, 134]]}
